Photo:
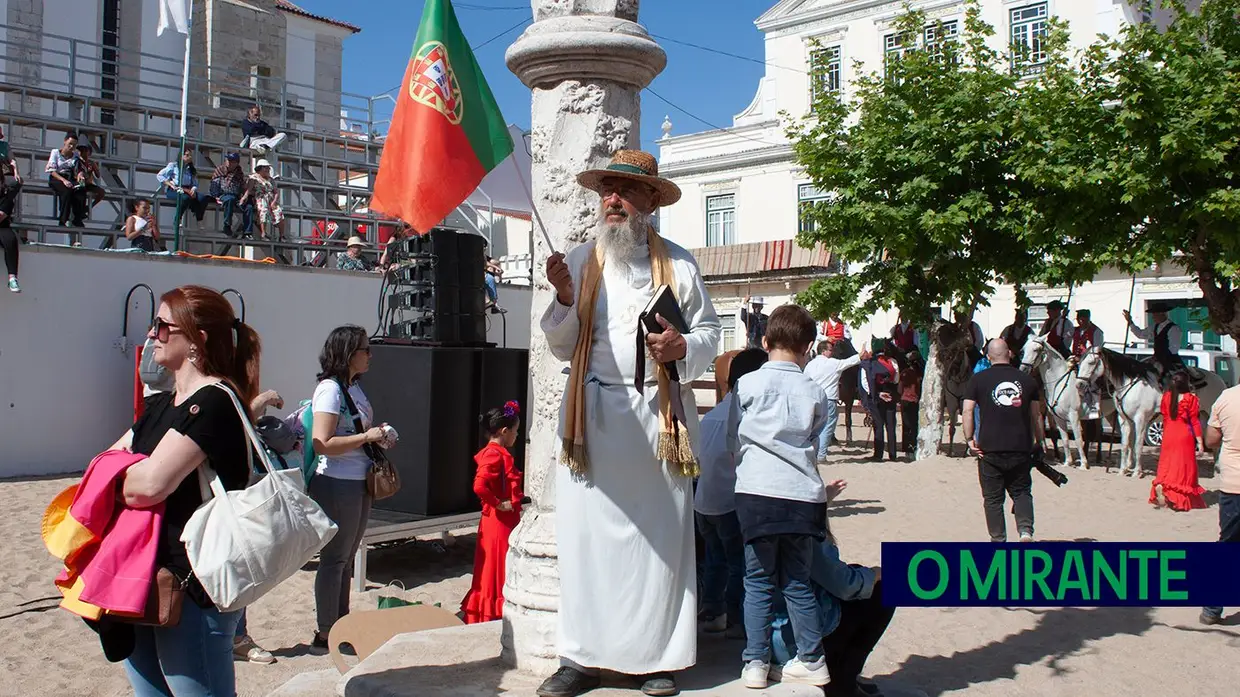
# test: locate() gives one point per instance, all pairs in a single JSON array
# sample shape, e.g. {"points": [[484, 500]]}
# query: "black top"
{"points": [[1004, 395], [208, 418], [1162, 344], [762, 516]]}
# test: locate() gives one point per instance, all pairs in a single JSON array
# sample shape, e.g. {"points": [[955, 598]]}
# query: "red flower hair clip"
{"points": [[511, 409]]}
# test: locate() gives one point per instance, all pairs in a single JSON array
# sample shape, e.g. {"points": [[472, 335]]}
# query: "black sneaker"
{"points": [[567, 682], [659, 684]]}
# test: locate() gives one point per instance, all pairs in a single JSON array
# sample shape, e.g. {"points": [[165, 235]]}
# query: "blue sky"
{"points": [[708, 85]]}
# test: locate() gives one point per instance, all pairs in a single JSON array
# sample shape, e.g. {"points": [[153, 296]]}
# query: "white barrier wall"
{"points": [[66, 390]]}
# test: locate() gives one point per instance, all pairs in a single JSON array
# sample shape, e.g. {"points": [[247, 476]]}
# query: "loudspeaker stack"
{"points": [[438, 293]]}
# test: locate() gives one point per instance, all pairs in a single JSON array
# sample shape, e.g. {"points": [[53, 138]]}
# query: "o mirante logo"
{"points": [[433, 82], [1060, 574]]}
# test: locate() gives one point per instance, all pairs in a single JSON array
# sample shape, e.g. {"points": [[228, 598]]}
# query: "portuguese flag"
{"points": [[447, 131]]}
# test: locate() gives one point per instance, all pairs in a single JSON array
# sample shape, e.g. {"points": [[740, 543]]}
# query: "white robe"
{"points": [[628, 586]]}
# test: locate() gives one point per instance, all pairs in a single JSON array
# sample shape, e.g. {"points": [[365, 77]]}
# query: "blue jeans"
{"points": [[230, 204], [242, 629], [1228, 530], [772, 564], [492, 291], [833, 420], [723, 573], [196, 204], [192, 659]]}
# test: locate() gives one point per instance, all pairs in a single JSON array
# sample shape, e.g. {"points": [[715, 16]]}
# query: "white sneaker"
{"points": [[806, 673], [754, 674], [1026, 537]]}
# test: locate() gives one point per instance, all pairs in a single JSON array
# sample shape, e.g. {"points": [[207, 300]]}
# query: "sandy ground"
{"points": [[987, 651]]}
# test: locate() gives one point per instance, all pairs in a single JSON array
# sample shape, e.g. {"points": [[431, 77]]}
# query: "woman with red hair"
{"points": [[200, 341]]}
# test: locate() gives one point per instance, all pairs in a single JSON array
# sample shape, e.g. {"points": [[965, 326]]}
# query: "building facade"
{"points": [[742, 186]]}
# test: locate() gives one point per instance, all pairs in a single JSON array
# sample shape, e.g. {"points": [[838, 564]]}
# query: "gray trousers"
{"points": [[347, 503]]}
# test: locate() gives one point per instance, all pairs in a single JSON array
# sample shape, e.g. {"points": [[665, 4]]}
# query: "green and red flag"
{"points": [[447, 131]]}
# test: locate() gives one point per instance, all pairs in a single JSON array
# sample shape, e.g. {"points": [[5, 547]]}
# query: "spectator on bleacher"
{"points": [[62, 174], [261, 189], [353, 259], [228, 189], [88, 174], [180, 185], [395, 243], [141, 229], [10, 187], [259, 135]]}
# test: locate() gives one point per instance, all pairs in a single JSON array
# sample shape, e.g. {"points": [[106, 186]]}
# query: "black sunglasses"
{"points": [[164, 329]]}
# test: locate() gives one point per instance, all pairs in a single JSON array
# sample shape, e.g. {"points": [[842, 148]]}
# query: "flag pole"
{"points": [[177, 221], [530, 197]]}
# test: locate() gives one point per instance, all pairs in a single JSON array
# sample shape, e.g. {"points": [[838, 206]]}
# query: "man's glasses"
{"points": [[163, 329], [628, 191]]}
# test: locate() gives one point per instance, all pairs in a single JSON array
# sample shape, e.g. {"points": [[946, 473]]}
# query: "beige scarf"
{"points": [[673, 444]]}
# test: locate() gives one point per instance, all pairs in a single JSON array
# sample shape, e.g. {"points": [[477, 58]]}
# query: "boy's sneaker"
{"points": [[806, 673], [754, 674], [13, 287], [713, 625]]}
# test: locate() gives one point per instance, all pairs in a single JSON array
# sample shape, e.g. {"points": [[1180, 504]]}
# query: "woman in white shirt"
{"points": [[140, 228], [339, 482]]}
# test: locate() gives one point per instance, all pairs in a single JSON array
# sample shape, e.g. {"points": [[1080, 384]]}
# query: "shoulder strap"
{"points": [[357, 419]]}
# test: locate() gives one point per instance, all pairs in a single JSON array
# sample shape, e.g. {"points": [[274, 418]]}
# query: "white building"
{"points": [[743, 191]]}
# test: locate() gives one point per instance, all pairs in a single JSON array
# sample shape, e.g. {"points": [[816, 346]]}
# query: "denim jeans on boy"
{"points": [[492, 290], [192, 659], [828, 432], [773, 564], [723, 572], [1228, 531]]}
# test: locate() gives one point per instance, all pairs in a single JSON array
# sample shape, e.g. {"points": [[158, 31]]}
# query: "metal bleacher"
{"points": [[128, 109]]}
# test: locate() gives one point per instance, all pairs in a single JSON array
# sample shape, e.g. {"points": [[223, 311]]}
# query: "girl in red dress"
{"points": [[498, 485], [1176, 484]]}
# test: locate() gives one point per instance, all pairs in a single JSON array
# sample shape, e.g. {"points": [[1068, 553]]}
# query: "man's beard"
{"points": [[620, 241]]}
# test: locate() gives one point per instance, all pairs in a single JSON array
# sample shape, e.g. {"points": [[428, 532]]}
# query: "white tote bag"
{"points": [[241, 544]]}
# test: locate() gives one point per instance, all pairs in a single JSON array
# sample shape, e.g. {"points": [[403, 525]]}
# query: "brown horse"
{"points": [[722, 365]]}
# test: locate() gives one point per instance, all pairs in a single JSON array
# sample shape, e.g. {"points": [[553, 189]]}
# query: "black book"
{"points": [[663, 303]]}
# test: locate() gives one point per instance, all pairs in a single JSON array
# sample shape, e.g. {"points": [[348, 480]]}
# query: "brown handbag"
{"points": [[382, 479], [163, 602]]}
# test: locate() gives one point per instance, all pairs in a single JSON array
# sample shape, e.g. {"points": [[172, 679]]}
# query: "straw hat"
{"points": [[636, 165], [356, 241]]}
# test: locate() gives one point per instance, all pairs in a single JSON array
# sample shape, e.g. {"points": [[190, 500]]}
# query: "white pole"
{"points": [[177, 221], [529, 194]]}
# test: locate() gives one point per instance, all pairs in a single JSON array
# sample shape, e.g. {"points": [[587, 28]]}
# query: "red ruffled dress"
{"points": [[497, 479], [1177, 459]]}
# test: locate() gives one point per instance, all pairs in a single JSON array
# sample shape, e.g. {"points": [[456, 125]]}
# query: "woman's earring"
{"points": [[193, 356]]}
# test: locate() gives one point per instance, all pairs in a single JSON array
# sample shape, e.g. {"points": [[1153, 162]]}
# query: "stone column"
{"points": [[586, 62]]}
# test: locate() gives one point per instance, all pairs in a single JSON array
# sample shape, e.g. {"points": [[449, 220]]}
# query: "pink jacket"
{"points": [[108, 548]]}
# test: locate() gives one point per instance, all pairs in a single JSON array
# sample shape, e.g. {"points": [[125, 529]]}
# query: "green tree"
{"points": [[924, 205], [1134, 153]]}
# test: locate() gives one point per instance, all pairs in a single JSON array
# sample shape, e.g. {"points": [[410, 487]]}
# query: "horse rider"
{"points": [[1057, 329], [1018, 332], [754, 321], [835, 330], [903, 335], [1086, 336], [1165, 336], [973, 330]]}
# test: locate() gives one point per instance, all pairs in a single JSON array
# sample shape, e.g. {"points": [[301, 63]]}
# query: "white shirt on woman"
{"points": [[330, 400]]}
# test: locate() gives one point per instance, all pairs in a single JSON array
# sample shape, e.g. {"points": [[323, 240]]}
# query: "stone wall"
{"points": [[23, 50], [241, 37], [328, 66]]}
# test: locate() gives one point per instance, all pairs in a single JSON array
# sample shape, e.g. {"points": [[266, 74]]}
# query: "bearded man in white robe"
{"points": [[629, 425]]}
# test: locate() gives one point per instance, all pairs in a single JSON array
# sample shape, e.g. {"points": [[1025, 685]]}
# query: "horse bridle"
{"points": [[1056, 388]]}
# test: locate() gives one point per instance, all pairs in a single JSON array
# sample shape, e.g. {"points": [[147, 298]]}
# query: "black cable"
{"points": [[708, 123], [725, 53]]}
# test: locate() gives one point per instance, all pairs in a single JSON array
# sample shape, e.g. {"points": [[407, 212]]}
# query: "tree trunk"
{"points": [[930, 430], [1222, 302]]}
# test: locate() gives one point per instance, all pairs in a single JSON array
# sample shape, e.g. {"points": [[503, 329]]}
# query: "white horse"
{"points": [[1062, 399], [1137, 394]]}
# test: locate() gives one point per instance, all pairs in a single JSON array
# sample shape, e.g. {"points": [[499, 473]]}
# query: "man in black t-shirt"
{"points": [[1009, 432]]}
